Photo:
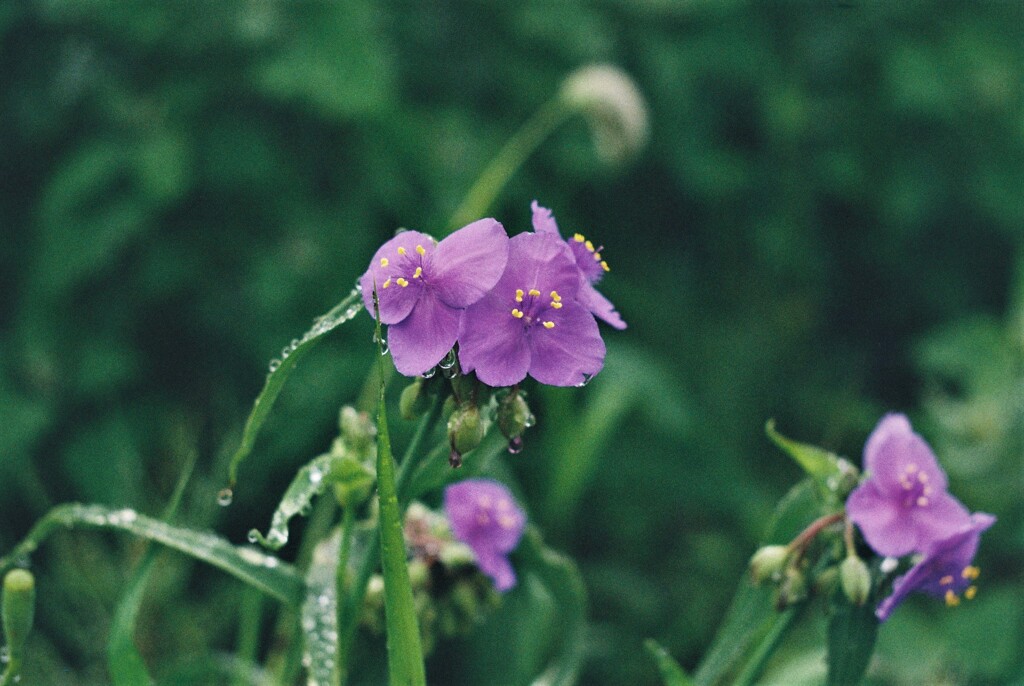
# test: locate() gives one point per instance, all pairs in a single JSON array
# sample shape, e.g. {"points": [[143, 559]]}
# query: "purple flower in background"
{"points": [[591, 264], [531, 322], [423, 288], [484, 516], [903, 505], [945, 571]]}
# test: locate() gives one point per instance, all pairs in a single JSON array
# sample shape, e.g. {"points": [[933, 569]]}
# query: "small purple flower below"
{"points": [[423, 288], [591, 264], [531, 322], [485, 516], [903, 505], [945, 570]]}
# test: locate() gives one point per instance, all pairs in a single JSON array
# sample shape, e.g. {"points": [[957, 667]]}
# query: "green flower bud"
{"points": [[767, 562], [353, 481], [19, 607], [514, 415], [357, 429], [413, 402], [465, 430], [855, 579], [793, 588]]}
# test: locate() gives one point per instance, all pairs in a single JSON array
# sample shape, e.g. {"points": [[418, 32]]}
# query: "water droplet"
{"points": [[359, 287], [5, 654], [384, 350], [530, 420], [449, 360], [277, 537], [450, 372], [225, 496], [889, 565], [274, 364], [315, 476], [295, 344], [254, 536], [586, 380], [307, 660], [515, 445], [429, 374], [271, 562]]}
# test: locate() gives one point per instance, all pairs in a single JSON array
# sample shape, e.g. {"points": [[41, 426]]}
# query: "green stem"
{"points": [[766, 647], [11, 673], [509, 160], [348, 523]]}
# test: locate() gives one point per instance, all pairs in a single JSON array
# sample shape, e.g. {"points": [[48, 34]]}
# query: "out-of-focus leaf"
{"points": [[264, 572], [817, 462], [852, 631], [280, 369], [671, 673], [319, 613], [217, 668]]}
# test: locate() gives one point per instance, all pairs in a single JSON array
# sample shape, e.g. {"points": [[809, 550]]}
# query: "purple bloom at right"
{"points": [[484, 515]]}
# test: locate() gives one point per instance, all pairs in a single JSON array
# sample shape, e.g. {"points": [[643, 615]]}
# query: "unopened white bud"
{"points": [[614, 107]]}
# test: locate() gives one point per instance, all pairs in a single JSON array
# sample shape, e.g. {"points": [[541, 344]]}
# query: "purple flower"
{"points": [[903, 505], [531, 322], [591, 264], [424, 286], [484, 516], [945, 570]]}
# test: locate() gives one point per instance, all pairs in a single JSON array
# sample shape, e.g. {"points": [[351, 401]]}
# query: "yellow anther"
{"points": [[910, 468], [506, 521], [401, 282], [590, 246], [556, 297], [519, 295], [401, 250], [579, 238], [555, 304], [597, 257], [952, 599], [971, 592], [922, 477], [549, 325], [946, 580], [484, 501], [534, 292], [386, 284], [970, 572], [604, 266], [517, 313], [922, 501], [418, 273], [421, 250], [383, 261]]}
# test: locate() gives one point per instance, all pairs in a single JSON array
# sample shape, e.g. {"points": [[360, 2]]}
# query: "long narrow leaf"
{"points": [[264, 572], [319, 614], [671, 673], [282, 368]]}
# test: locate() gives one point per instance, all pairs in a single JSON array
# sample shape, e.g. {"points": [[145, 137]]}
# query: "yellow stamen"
{"points": [[383, 261], [534, 292], [597, 257], [386, 284], [946, 580], [506, 521], [549, 325], [922, 477], [421, 250], [555, 304], [418, 273], [910, 468], [970, 572], [401, 282], [517, 313], [922, 501], [590, 246], [952, 599], [579, 238], [971, 592], [556, 297], [519, 295], [604, 266], [401, 250]]}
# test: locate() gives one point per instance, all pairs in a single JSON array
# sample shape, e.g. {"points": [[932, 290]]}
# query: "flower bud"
{"points": [[465, 430], [855, 579], [514, 415], [19, 606], [613, 106], [767, 562], [357, 429], [413, 402], [793, 588]]}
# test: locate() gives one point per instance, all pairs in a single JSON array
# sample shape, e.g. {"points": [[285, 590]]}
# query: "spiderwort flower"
{"points": [[484, 516], [945, 570], [903, 505], [423, 287], [531, 322], [591, 263]]}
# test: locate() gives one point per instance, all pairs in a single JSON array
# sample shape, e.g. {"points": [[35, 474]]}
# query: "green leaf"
{"points": [[309, 482], [817, 462], [319, 613], [264, 572], [282, 369], [852, 631], [671, 673]]}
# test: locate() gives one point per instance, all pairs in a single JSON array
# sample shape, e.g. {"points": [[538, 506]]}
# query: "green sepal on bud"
{"points": [[514, 415], [414, 402], [19, 607], [855, 580], [465, 431], [768, 562]]}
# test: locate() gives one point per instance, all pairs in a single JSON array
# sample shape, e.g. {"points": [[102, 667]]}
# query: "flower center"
{"points": [[967, 575], [915, 487], [588, 258], [405, 267], [531, 307]]}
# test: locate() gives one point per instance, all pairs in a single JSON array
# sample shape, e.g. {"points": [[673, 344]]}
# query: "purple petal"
{"points": [[468, 263], [386, 266], [420, 340], [893, 449], [492, 343], [570, 352], [943, 516], [879, 519], [543, 220], [539, 260], [484, 516], [499, 569], [599, 305]]}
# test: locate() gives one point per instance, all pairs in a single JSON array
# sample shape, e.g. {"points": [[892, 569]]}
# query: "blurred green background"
{"points": [[825, 225]]}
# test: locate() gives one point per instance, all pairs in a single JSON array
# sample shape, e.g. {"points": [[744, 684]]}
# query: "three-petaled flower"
{"points": [[423, 288], [531, 321], [945, 569], [589, 261], [903, 505], [485, 516]]}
